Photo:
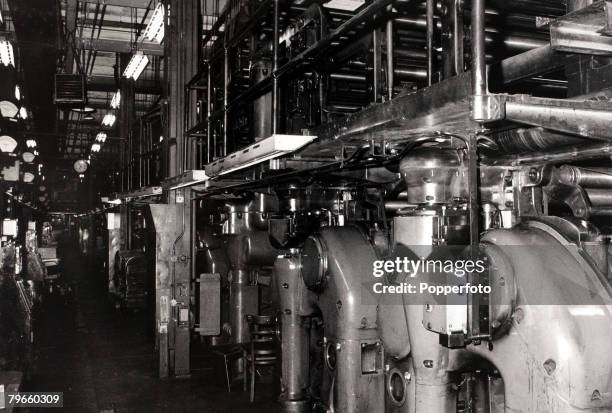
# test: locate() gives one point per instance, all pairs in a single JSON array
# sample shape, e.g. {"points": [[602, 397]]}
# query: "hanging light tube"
{"points": [[136, 66], [116, 100], [109, 120], [101, 137], [155, 30], [96, 147], [7, 58]]}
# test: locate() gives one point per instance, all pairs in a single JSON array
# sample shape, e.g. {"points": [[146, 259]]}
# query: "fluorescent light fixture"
{"points": [[31, 143], [23, 112], [106, 200], [136, 66], [101, 137], [116, 100], [350, 5], [96, 147], [7, 58], [109, 120], [270, 148], [155, 28], [17, 92], [187, 178]]}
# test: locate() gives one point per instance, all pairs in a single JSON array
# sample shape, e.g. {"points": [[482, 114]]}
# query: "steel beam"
{"points": [[583, 31], [118, 46], [138, 4], [584, 118], [108, 84]]}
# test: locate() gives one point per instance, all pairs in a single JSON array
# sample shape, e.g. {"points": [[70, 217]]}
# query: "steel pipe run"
{"points": [[295, 305], [589, 119], [390, 64], [479, 66], [226, 84], [555, 155], [209, 110], [430, 41], [586, 177], [275, 77]]}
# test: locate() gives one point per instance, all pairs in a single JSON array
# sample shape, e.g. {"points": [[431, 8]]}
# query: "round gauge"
{"points": [[80, 166]]}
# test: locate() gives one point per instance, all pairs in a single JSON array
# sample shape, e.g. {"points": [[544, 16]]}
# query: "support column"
{"points": [[127, 115], [182, 47], [172, 286], [173, 221]]}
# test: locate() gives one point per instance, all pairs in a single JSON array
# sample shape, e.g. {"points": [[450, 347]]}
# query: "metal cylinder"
{"points": [[433, 175], [390, 72], [586, 177], [599, 197], [479, 69], [243, 302], [262, 127], [295, 338]]}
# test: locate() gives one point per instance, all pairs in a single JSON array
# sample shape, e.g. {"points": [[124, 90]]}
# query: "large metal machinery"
{"points": [[442, 169]]}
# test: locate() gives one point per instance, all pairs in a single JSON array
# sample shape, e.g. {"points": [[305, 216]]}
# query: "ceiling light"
{"points": [[96, 147], [266, 149], [109, 120], [155, 28], [28, 157], [7, 57], [350, 5], [23, 112], [116, 101], [7, 144], [17, 92], [135, 67], [31, 143], [101, 137]]}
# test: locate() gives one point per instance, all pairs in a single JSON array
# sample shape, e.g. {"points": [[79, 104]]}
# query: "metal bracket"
{"points": [[487, 108]]}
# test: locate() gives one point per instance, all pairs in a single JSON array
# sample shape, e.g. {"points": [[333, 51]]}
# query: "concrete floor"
{"points": [[104, 360]]}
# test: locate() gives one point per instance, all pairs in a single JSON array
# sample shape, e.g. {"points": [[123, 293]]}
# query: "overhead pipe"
{"points": [[390, 64], [430, 41], [209, 110], [554, 155], [275, 58], [479, 67]]}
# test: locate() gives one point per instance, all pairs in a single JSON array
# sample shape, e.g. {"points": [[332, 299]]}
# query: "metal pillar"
{"points": [[127, 114], [430, 45], [172, 262], [389, 45], [182, 55], [115, 244], [275, 85], [173, 222]]}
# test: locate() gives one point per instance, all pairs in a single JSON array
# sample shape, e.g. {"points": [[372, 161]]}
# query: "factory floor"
{"points": [[104, 360]]}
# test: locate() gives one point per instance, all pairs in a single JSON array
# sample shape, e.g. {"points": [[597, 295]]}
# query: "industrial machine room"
{"points": [[310, 206]]}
